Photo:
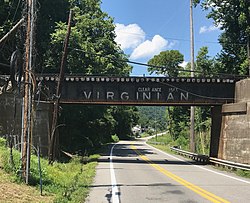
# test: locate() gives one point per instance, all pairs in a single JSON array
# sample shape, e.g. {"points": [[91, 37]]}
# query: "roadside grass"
{"points": [[62, 182], [238, 172], [243, 173], [165, 142]]}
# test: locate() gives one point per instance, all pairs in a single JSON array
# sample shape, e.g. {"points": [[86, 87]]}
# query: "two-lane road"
{"points": [[133, 171]]}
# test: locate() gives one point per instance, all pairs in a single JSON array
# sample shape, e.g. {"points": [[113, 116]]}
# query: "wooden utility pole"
{"points": [[27, 101], [53, 137], [192, 109], [248, 54]]}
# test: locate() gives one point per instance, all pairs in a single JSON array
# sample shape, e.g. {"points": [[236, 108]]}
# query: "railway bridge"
{"points": [[228, 98]]}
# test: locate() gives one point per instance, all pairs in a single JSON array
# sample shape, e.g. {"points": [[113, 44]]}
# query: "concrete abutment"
{"points": [[11, 121], [234, 138]]}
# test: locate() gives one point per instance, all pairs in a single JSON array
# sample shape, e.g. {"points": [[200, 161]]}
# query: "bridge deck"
{"points": [[141, 90]]}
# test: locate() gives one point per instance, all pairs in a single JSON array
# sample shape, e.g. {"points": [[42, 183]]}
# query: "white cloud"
{"points": [[211, 28], [129, 36], [183, 64], [148, 48]]}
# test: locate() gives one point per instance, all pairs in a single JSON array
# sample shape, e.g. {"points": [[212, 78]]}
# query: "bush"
{"points": [[2, 142], [115, 138], [68, 182]]}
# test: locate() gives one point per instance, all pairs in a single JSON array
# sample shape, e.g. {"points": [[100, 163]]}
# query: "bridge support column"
{"points": [[10, 117], [234, 142], [11, 121], [215, 130], [42, 125]]}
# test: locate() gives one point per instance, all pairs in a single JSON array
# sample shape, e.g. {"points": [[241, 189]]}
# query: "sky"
{"points": [[144, 28]]}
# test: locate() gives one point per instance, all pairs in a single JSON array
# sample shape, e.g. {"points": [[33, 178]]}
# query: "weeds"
{"points": [[68, 182]]}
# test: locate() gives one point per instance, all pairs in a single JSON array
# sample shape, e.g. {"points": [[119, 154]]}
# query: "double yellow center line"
{"points": [[207, 195]]}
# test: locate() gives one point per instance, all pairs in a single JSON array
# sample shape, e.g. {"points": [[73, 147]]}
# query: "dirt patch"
{"points": [[13, 192]]}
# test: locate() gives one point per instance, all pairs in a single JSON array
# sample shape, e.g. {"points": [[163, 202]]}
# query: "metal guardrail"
{"points": [[197, 157], [207, 159], [230, 164]]}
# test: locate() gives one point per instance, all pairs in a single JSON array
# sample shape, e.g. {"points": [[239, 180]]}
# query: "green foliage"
{"points": [[2, 142], [152, 116], [178, 121], [93, 49], [233, 17], [115, 138], [88, 127], [178, 127], [48, 13], [243, 173], [170, 61], [69, 182], [205, 64], [166, 139], [10, 15], [125, 118]]}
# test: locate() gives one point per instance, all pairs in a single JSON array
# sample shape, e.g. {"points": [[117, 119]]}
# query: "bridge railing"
{"points": [[212, 160]]}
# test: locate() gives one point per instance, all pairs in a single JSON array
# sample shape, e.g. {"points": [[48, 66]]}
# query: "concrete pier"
{"points": [[11, 122], [234, 141]]}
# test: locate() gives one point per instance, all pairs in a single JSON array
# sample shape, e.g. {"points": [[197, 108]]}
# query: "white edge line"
{"points": [[218, 173], [115, 192]]}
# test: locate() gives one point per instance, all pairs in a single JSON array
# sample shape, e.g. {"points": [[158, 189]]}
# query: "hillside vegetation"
{"points": [[62, 182]]}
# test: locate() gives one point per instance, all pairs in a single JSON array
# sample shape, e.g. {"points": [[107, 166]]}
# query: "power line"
{"points": [[194, 94], [183, 40], [155, 66]]}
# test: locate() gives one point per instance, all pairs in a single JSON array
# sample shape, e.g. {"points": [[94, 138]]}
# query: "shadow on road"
{"points": [[124, 154]]}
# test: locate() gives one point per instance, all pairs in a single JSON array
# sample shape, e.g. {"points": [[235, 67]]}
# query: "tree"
{"points": [[93, 49], [168, 63], [48, 13], [10, 15], [150, 116], [178, 121], [125, 118], [206, 65], [233, 17]]}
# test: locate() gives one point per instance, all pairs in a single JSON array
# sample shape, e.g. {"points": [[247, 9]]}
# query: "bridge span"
{"points": [[229, 98], [161, 91]]}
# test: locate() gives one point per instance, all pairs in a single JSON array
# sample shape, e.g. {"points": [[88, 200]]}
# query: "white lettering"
{"points": [[146, 96], [110, 95], [156, 89], [170, 96], [124, 96], [172, 89], [184, 97], [158, 95], [87, 96], [144, 89]]}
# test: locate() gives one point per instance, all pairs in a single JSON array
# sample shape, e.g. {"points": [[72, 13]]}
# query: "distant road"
{"points": [[134, 172]]}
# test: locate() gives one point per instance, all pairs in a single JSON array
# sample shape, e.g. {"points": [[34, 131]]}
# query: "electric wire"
{"points": [[197, 95], [16, 10], [155, 66], [184, 40]]}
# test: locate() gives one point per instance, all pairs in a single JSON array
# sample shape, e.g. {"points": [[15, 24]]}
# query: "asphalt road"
{"points": [[134, 172]]}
